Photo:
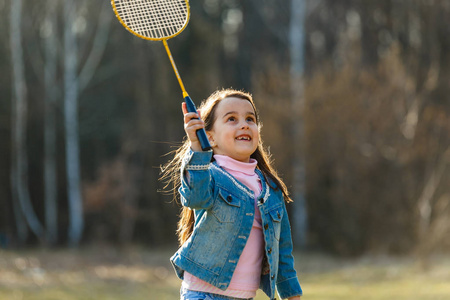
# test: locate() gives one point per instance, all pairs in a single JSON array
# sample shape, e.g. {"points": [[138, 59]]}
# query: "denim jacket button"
{"points": [[266, 226], [269, 251]]}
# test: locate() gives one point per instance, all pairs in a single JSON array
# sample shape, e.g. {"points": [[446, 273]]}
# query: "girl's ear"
{"points": [[211, 139]]}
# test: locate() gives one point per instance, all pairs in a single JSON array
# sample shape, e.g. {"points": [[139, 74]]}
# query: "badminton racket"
{"points": [[159, 20]]}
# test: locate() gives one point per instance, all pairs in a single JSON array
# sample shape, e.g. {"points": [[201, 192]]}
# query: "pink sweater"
{"points": [[246, 277]]}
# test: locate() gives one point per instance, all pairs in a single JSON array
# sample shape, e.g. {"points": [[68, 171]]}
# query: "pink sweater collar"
{"points": [[229, 163]]}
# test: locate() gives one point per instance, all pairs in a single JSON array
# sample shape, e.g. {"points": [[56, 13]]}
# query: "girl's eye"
{"points": [[251, 119], [232, 119]]}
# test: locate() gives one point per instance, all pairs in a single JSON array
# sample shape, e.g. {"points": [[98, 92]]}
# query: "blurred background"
{"points": [[353, 96], [354, 100]]}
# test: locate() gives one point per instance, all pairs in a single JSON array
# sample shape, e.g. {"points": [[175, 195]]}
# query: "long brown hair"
{"points": [[171, 171]]}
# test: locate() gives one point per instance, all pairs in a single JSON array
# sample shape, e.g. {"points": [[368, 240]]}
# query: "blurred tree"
{"points": [[297, 70], [7, 223], [74, 84], [49, 25], [23, 208]]}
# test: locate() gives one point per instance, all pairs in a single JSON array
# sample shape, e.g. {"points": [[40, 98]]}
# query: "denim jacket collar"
{"points": [[265, 190]]}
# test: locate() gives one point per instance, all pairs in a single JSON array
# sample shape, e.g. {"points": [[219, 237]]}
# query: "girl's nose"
{"points": [[244, 126]]}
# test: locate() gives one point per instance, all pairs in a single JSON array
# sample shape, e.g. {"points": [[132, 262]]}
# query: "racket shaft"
{"points": [[201, 134]]}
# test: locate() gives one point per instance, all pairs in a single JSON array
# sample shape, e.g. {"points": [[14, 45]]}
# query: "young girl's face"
{"points": [[235, 132]]}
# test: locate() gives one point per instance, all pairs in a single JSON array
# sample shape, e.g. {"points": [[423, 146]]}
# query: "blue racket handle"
{"points": [[201, 134]]}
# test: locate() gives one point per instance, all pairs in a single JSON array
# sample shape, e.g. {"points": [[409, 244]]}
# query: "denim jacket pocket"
{"points": [[227, 208], [276, 215]]}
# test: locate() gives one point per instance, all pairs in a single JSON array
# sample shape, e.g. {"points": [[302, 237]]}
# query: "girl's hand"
{"points": [[294, 298], [192, 123]]}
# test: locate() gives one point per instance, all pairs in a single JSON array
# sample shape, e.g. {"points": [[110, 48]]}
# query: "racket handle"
{"points": [[201, 133]]}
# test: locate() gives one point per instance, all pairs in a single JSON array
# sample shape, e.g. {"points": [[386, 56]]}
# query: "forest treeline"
{"points": [[375, 118]]}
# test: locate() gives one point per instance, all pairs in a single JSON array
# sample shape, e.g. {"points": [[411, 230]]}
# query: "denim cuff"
{"points": [[196, 160], [289, 288]]}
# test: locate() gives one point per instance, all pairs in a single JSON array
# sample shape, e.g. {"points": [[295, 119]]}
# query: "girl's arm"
{"points": [[287, 284], [196, 181], [196, 189]]}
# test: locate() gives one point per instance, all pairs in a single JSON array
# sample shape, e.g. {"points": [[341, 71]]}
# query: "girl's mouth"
{"points": [[243, 138]]}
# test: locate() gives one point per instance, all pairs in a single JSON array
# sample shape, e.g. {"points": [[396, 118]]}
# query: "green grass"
{"points": [[377, 278], [104, 273]]}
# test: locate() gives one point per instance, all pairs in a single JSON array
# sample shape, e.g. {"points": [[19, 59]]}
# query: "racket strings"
{"points": [[155, 19]]}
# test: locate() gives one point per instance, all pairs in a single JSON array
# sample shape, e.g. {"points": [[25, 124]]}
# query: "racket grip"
{"points": [[201, 133]]}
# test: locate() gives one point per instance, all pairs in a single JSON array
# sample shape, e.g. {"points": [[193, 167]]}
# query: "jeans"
{"points": [[194, 295]]}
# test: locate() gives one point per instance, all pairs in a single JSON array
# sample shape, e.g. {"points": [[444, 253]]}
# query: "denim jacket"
{"points": [[224, 212]]}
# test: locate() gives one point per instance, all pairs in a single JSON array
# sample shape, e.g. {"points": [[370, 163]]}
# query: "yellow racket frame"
{"points": [[164, 40]]}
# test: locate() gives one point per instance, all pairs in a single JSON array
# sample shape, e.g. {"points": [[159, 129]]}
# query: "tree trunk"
{"points": [[73, 85], [76, 222], [296, 47], [425, 201], [19, 167], [50, 180]]}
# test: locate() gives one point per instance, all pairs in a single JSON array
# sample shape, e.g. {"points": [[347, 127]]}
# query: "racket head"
{"points": [[154, 20]]}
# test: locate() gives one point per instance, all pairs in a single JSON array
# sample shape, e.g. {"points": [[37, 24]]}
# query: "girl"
{"points": [[234, 230]]}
